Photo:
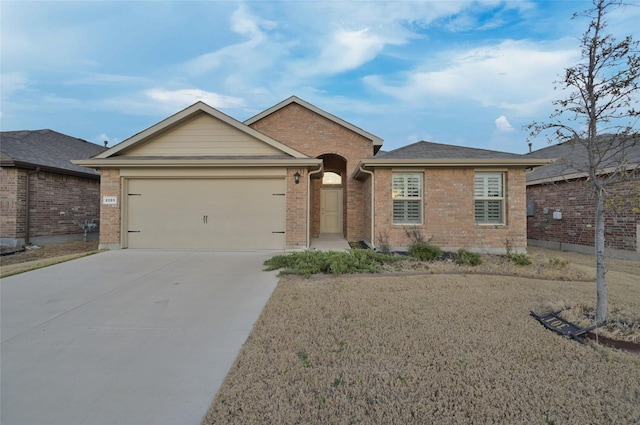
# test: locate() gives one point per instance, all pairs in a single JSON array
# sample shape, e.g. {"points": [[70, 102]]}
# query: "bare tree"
{"points": [[599, 113]]}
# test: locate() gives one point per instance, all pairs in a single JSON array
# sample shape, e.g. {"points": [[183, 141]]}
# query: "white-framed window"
{"points": [[489, 198], [407, 198]]}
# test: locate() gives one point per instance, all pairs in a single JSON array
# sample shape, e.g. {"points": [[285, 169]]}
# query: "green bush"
{"points": [[424, 251], [520, 259], [310, 262], [467, 258]]}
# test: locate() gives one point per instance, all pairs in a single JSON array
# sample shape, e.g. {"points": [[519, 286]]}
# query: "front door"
{"points": [[331, 210]]}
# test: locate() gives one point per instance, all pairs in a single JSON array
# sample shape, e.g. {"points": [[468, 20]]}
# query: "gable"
{"points": [[203, 135], [313, 134], [254, 122], [181, 133]]}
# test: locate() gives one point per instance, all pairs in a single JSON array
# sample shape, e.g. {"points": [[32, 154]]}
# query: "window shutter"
{"points": [[489, 194], [407, 198], [406, 212], [488, 185]]}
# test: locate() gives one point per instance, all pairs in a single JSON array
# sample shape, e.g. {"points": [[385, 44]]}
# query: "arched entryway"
{"points": [[329, 194]]}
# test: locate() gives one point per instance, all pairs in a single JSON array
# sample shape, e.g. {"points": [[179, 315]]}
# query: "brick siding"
{"points": [[12, 202], [575, 201], [448, 212], [314, 135], [59, 203], [296, 226], [110, 214]]}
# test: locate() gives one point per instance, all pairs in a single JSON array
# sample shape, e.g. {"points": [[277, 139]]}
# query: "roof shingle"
{"points": [[46, 148], [430, 150], [571, 157]]}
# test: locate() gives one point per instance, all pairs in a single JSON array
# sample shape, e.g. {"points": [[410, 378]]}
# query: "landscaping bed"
{"points": [[440, 345]]}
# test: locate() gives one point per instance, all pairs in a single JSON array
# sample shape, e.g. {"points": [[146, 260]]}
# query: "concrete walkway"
{"points": [[329, 242], [126, 337]]}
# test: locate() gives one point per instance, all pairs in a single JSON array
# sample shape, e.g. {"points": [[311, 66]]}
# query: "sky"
{"points": [[466, 73]]}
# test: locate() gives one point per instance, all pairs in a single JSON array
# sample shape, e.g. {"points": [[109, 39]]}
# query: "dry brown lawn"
{"points": [[431, 348], [44, 256]]}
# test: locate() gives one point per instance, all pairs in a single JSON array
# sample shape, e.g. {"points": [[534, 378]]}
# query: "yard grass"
{"points": [[44, 256], [433, 347]]}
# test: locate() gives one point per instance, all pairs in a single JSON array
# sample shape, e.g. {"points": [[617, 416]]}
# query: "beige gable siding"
{"points": [[204, 136]]}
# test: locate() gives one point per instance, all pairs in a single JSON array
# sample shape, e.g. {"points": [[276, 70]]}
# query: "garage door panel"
{"points": [[234, 214]]}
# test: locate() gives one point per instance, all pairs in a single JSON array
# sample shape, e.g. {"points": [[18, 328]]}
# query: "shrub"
{"points": [[310, 262], [520, 259], [467, 258], [424, 251]]}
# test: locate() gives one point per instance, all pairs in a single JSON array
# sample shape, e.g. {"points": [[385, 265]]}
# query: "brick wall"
{"points": [[448, 209], [110, 214], [59, 203], [296, 227], [366, 199], [314, 135], [316, 184], [12, 202], [575, 201]]}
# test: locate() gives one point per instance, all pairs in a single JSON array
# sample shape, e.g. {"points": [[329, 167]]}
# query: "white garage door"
{"points": [[225, 214]]}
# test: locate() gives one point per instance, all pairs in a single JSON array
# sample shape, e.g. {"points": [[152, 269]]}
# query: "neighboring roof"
{"points": [[377, 142], [107, 157], [428, 154], [47, 149], [571, 158]]}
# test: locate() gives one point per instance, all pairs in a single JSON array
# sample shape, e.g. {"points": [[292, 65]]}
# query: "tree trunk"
{"points": [[602, 306]]}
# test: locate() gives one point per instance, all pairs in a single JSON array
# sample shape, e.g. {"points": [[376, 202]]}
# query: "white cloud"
{"points": [[159, 102], [185, 97], [345, 50], [503, 124], [513, 75], [347, 35], [239, 57], [242, 22], [13, 82]]}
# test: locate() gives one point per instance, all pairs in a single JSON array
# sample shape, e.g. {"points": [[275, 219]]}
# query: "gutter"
{"points": [[208, 162], [321, 169], [27, 202], [373, 198], [89, 174], [450, 162]]}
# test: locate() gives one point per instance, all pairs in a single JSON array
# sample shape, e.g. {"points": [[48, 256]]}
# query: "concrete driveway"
{"points": [[134, 337]]}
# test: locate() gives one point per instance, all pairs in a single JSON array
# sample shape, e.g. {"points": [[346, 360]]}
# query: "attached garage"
{"points": [[230, 214], [202, 180]]}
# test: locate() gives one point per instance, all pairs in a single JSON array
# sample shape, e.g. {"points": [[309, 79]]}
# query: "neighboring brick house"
{"points": [[203, 180], [561, 209], [44, 197]]}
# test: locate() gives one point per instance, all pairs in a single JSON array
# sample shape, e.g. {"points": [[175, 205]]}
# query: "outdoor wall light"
{"points": [[296, 177]]}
